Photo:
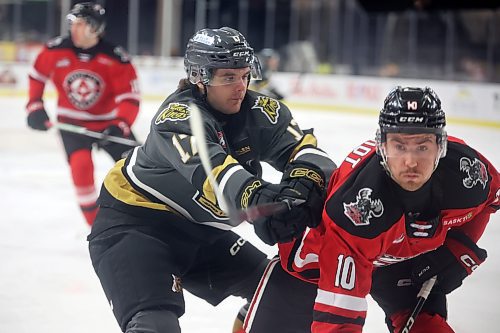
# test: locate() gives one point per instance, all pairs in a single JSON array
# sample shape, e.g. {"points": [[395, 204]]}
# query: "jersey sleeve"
{"points": [[288, 142], [339, 255], [479, 175], [126, 91], [38, 76]]}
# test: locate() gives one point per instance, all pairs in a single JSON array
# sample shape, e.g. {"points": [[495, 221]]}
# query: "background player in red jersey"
{"points": [[401, 209], [97, 89]]}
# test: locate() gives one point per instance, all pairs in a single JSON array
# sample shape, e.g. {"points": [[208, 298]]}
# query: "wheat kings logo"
{"points": [[173, 112], [476, 172], [364, 208], [268, 106]]}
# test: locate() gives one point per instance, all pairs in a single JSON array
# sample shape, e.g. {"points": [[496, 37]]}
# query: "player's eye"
{"points": [[229, 79]]}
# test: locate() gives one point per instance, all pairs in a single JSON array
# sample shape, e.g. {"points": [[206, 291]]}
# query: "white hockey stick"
{"points": [[97, 135], [421, 298], [235, 216]]}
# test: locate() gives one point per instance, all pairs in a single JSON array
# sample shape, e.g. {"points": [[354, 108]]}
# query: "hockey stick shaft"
{"points": [[97, 135], [421, 298], [235, 216]]}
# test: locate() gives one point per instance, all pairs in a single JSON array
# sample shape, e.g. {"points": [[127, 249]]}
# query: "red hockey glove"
{"points": [[451, 262], [37, 116], [284, 226], [309, 181]]}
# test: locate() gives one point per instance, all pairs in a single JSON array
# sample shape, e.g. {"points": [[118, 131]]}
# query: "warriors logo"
{"points": [[476, 172], [364, 208], [83, 88], [268, 106], [173, 112]]}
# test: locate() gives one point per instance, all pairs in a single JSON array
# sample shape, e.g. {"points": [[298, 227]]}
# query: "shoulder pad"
{"points": [[464, 175], [114, 51], [271, 108], [122, 54], [58, 42]]}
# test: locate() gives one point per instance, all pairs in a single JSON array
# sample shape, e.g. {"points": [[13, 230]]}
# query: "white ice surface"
{"points": [[47, 283]]}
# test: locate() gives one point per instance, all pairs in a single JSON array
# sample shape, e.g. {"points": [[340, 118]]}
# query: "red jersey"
{"points": [[365, 221], [95, 86]]}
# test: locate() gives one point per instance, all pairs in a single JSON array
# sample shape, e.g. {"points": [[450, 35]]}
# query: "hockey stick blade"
{"points": [[97, 135], [424, 292]]}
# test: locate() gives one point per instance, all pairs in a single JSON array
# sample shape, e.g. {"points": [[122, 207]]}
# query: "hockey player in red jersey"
{"points": [[97, 89], [400, 209]]}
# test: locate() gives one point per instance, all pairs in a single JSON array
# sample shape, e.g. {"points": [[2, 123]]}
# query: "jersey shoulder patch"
{"points": [[269, 107], [59, 42], [173, 112], [465, 177], [115, 51]]}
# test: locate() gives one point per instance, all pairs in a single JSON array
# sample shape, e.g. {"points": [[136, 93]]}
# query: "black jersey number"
{"points": [[346, 272]]}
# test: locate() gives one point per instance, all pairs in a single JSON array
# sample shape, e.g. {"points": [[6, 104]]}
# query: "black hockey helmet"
{"points": [[409, 110], [414, 111], [209, 49], [92, 13]]}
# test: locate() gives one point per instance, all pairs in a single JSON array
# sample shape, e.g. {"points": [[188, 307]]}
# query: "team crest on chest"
{"points": [[83, 88], [476, 172], [173, 112], [268, 106], [364, 208]]}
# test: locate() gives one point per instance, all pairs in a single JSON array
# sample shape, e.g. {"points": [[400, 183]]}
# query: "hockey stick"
{"points": [[236, 217], [97, 135], [421, 298]]}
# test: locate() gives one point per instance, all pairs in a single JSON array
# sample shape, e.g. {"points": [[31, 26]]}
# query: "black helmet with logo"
{"points": [[91, 12], [209, 49], [412, 110]]}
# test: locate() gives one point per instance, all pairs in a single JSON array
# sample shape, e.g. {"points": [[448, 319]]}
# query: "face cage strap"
{"points": [[380, 138]]}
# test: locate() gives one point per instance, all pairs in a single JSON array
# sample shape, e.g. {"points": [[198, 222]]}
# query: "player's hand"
{"points": [[37, 116], [118, 128], [309, 181], [451, 262], [284, 226]]}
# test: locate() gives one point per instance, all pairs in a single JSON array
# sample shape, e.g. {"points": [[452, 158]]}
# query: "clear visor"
{"points": [[420, 147], [71, 18], [227, 76], [223, 77]]}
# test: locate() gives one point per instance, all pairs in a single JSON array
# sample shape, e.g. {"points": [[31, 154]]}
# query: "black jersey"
{"points": [[165, 174]]}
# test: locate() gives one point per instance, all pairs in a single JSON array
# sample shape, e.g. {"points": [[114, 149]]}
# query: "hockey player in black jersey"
{"points": [[160, 227]]}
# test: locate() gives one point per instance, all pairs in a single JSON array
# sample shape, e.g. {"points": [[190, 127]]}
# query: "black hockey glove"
{"points": [[309, 181], [118, 128], [37, 116], [283, 226], [451, 262]]}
